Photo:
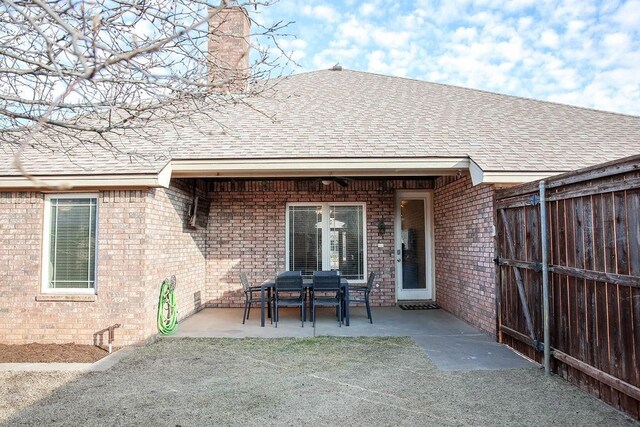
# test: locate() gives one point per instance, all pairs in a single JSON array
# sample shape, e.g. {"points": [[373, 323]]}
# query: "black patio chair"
{"points": [[251, 296], [289, 292], [325, 292], [361, 294]]}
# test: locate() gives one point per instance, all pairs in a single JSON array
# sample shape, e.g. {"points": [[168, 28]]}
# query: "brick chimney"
{"points": [[229, 30]]}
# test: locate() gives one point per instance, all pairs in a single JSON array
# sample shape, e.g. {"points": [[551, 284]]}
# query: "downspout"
{"points": [[545, 278]]}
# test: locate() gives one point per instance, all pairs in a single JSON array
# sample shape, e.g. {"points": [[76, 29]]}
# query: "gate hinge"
{"points": [[496, 260], [534, 200], [537, 267]]}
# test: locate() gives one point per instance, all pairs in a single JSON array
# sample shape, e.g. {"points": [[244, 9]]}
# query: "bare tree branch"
{"points": [[77, 73]]}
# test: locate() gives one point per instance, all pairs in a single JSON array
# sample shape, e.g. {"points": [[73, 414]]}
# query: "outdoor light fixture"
{"points": [[382, 227], [326, 182]]}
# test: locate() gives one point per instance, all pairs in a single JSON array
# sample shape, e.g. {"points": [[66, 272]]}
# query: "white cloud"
{"points": [[389, 39], [628, 15], [617, 41], [549, 38], [367, 9], [352, 29], [323, 12], [462, 34]]}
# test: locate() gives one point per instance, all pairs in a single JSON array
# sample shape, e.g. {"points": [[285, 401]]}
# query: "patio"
{"points": [[450, 343]]}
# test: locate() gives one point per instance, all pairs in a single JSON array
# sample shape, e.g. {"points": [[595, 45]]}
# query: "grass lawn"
{"points": [[312, 381]]}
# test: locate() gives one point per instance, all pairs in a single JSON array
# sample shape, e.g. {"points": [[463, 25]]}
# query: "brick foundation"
{"points": [[464, 251]]}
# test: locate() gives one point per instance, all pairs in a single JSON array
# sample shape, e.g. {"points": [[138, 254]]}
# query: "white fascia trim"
{"points": [[71, 182], [280, 168], [479, 176], [476, 172], [164, 176]]}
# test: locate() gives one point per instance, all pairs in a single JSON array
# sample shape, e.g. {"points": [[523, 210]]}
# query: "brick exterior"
{"points": [[464, 251], [249, 231], [121, 269], [143, 238], [229, 30], [173, 248]]}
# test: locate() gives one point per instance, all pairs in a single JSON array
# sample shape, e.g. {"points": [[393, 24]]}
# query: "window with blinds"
{"points": [[326, 237], [305, 239], [70, 255]]}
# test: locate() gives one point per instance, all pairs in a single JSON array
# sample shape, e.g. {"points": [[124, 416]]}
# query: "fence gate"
{"points": [[593, 240]]}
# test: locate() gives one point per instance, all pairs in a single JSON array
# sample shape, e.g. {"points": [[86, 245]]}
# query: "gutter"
{"points": [[73, 182]]}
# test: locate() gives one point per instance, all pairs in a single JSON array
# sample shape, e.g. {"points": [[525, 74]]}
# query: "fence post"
{"points": [[545, 278]]}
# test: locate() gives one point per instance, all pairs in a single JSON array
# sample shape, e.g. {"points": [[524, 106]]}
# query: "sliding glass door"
{"points": [[326, 236]]}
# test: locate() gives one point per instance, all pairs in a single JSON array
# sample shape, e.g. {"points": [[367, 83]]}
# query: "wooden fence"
{"points": [[593, 232]]}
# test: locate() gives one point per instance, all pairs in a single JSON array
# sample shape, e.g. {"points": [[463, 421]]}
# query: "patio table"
{"points": [[269, 286]]}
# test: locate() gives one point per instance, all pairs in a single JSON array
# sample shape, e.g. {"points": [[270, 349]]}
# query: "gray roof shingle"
{"points": [[353, 114]]}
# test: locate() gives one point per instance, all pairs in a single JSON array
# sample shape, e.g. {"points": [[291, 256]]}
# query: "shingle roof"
{"points": [[356, 114], [351, 114]]}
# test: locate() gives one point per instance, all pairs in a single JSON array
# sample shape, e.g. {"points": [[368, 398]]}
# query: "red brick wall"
{"points": [[26, 317], [464, 251], [247, 231], [173, 248], [228, 45], [142, 239]]}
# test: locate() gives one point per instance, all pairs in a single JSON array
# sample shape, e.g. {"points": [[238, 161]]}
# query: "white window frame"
{"points": [[46, 245], [326, 255]]}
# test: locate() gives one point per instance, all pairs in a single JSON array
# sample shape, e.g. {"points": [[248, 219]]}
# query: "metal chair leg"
{"points": [[276, 312], [244, 314]]}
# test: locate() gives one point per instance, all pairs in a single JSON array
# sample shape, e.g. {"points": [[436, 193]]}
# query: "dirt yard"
{"points": [[320, 381], [48, 353]]}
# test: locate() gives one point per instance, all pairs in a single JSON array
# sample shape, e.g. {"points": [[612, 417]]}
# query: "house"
{"points": [[349, 170]]}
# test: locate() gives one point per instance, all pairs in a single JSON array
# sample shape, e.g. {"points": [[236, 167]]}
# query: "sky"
{"points": [[584, 53]]}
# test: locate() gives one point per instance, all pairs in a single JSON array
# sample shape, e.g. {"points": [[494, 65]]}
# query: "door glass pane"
{"points": [[305, 239], [346, 249], [413, 244]]}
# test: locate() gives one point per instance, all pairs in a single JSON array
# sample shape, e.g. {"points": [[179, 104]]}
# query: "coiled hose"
{"points": [[167, 308]]}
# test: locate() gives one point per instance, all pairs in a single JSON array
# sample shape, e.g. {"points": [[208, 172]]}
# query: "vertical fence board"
{"points": [[625, 331], [613, 322], [602, 330], [590, 290]]}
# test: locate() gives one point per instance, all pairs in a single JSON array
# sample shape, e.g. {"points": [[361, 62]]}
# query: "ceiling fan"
{"points": [[328, 180]]}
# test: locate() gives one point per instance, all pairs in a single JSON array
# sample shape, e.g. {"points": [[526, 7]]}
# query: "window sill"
{"points": [[66, 298]]}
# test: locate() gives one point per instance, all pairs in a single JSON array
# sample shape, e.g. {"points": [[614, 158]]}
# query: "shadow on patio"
{"points": [[452, 344]]}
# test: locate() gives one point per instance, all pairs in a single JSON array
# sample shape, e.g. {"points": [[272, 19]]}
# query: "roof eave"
{"points": [[77, 182]]}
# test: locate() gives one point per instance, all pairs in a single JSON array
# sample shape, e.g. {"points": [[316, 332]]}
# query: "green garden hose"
{"points": [[167, 308]]}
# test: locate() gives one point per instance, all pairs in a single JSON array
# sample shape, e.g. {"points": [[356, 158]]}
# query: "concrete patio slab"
{"points": [[452, 344]]}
